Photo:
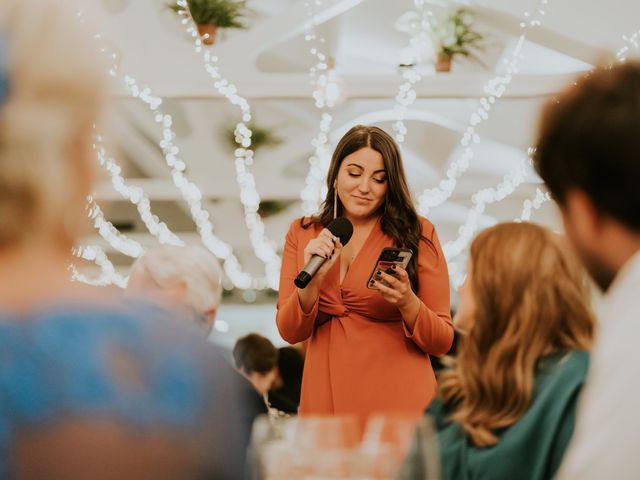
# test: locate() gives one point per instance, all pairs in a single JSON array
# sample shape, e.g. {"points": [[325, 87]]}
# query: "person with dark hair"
{"points": [[285, 396], [257, 360], [588, 154], [369, 347]]}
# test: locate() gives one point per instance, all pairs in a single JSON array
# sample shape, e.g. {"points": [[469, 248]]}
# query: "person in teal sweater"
{"points": [[506, 404]]}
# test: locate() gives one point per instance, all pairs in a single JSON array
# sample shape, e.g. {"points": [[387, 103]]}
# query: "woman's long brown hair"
{"points": [[531, 300], [399, 218]]}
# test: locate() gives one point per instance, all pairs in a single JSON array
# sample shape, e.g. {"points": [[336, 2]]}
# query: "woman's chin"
{"points": [[360, 212]]}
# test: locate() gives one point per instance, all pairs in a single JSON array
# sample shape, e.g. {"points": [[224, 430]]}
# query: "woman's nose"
{"points": [[363, 186]]}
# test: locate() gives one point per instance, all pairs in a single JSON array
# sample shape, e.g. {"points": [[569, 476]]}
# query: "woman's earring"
{"points": [[335, 203]]}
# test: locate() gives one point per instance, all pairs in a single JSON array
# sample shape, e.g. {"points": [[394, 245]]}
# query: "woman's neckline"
{"points": [[372, 228]]}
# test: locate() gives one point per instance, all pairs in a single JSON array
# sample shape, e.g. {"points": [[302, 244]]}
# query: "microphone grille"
{"points": [[342, 228]]}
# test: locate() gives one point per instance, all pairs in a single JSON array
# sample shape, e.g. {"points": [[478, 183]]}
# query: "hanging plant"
{"points": [[272, 207], [260, 137], [454, 35], [209, 15]]}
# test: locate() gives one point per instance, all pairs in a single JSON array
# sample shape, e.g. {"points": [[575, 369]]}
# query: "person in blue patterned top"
{"points": [[90, 386]]}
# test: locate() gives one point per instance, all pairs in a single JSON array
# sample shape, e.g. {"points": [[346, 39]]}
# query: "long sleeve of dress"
{"points": [[294, 325], [433, 330]]}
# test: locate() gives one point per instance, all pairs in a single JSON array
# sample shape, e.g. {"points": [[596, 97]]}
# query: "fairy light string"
{"points": [[314, 190], [263, 247], [108, 275], [631, 41], [404, 99], [193, 196], [531, 204], [494, 89], [419, 30], [541, 196], [481, 199]]}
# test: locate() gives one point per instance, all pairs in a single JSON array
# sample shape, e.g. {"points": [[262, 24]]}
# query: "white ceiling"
{"points": [[269, 64]]}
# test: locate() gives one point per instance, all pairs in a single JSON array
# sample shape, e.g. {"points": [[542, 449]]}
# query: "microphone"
{"points": [[340, 227]]}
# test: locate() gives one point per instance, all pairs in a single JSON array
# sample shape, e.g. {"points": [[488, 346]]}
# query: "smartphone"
{"points": [[388, 257]]}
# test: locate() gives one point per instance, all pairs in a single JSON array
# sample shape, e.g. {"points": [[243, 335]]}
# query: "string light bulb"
{"points": [[193, 196]]}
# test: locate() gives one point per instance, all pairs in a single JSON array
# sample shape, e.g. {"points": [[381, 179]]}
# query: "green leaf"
{"points": [[455, 35], [222, 13]]}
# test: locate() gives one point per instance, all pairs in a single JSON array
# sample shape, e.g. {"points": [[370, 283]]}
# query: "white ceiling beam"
{"points": [[296, 85], [541, 35], [138, 150], [270, 165], [390, 114], [275, 30]]}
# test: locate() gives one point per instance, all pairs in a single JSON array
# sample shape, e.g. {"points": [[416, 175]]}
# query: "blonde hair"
{"points": [[531, 300], [56, 87], [194, 265]]}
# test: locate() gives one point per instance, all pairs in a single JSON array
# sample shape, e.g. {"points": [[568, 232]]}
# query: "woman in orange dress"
{"points": [[368, 348]]}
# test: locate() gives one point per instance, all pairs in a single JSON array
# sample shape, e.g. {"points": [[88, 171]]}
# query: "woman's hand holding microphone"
{"points": [[325, 245]]}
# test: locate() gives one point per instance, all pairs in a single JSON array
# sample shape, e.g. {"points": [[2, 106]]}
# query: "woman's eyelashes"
{"points": [[379, 180]]}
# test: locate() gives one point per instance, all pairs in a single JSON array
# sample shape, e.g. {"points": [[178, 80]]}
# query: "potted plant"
{"points": [[260, 137], [454, 35], [268, 208], [209, 15]]}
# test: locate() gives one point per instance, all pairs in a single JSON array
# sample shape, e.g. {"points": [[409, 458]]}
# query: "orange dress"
{"points": [[361, 358]]}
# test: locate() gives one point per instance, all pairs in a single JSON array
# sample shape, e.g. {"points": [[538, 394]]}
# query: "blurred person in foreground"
{"points": [[588, 154], [188, 280], [180, 276], [89, 388], [506, 406]]}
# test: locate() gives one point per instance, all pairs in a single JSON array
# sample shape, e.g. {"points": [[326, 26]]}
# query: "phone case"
{"points": [[389, 257]]}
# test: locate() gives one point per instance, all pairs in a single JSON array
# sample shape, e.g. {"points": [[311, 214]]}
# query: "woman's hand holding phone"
{"points": [[396, 288]]}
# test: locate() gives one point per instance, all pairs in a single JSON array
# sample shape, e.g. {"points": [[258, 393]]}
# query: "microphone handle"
{"points": [[309, 270]]}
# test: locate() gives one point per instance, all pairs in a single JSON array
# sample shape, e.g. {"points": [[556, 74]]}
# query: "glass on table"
{"points": [[388, 436], [309, 447], [423, 458], [329, 447]]}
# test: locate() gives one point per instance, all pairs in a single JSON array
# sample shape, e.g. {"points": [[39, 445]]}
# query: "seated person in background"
{"points": [[173, 276], [256, 359], [89, 388], [285, 394], [506, 407]]}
